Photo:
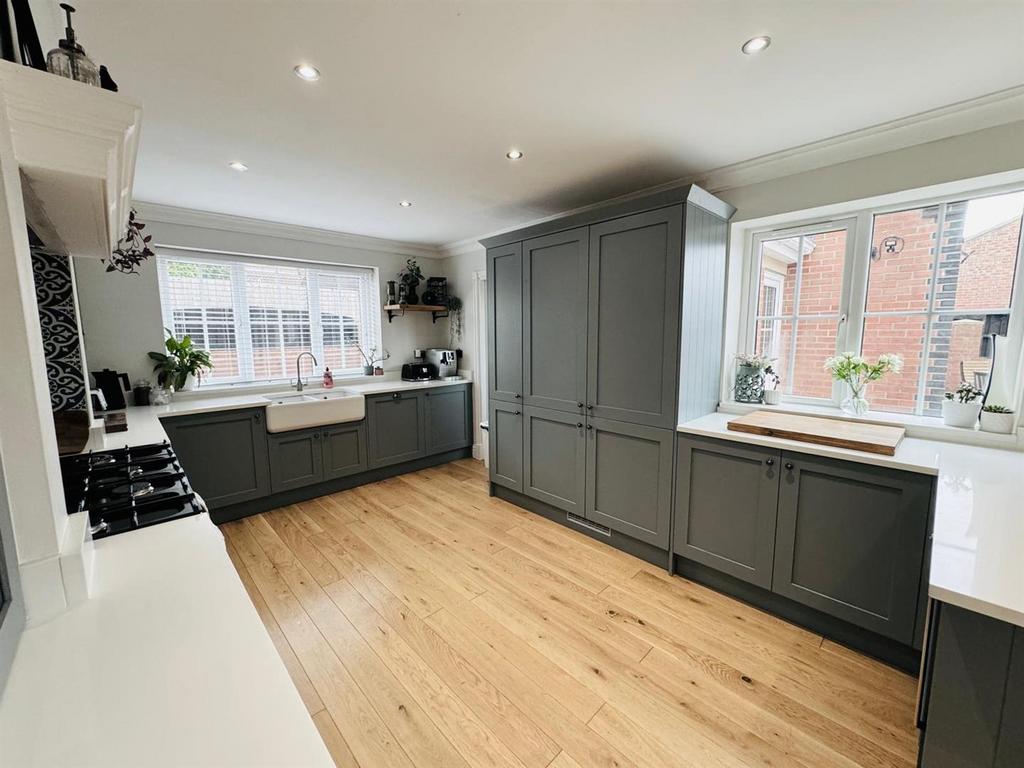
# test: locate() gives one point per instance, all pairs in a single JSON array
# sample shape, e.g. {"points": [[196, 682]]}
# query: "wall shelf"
{"points": [[436, 310]]}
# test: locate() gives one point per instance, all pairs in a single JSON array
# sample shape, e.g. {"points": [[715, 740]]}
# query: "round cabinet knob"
{"points": [[316, 435], [517, 395], [395, 396], [579, 424], [516, 413], [590, 426], [770, 462], [590, 407], [579, 405], [789, 465]]}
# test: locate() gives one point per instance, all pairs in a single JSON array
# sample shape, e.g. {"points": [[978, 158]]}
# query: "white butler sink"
{"points": [[293, 410]]}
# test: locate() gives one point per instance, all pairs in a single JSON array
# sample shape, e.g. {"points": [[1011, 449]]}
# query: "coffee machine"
{"points": [[445, 361]]}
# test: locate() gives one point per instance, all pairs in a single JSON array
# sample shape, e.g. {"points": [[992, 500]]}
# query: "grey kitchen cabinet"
{"points": [[555, 269], [554, 458], [505, 321], [629, 479], [344, 450], [448, 418], [633, 317], [851, 541], [973, 692], [396, 427], [224, 454], [726, 506], [296, 459], [505, 444]]}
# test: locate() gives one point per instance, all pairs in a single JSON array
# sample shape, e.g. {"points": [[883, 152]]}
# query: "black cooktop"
{"points": [[128, 488]]}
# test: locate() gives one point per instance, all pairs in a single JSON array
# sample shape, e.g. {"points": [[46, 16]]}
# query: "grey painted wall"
{"points": [[121, 313]]}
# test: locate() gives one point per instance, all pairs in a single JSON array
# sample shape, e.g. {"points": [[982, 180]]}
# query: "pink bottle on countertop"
{"points": [[328, 379]]}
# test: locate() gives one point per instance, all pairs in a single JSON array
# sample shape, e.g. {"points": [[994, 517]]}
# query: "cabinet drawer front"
{"points": [[296, 460], [554, 457], [344, 450], [448, 419], [726, 507], [396, 427], [629, 479], [555, 320], [224, 454], [505, 445], [633, 322], [505, 321], [851, 542]]}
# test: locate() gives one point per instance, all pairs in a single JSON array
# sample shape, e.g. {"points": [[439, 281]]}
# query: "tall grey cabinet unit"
{"points": [[592, 321]]}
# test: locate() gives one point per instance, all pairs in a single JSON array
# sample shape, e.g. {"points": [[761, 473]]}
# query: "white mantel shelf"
{"points": [[76, 147]]}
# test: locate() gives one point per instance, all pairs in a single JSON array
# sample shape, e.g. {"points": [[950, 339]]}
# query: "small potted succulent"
{"points": [[997, 418], [371, 360], [962, 406], [772, 387]]}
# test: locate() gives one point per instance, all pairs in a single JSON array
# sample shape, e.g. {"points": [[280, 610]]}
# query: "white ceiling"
{"points": [[421, 100]]}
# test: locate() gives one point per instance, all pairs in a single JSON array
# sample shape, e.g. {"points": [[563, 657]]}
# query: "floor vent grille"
{"points": [[582, 522]]}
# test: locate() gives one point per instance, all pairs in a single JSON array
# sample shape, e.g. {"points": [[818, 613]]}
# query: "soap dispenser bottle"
{"points": [[328, 379], [68, 59]]}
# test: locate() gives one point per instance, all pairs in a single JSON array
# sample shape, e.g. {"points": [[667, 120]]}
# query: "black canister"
{"points": [[141, 395]]}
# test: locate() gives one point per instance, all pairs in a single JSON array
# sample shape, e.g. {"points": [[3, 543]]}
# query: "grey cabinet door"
{"points": [[554, 458], [224, 454], [851, 541], [726, 507], [633, 324], [555, 320], [448, 419], [296, 459], [344, 450], [629, 479], [505, 445], [396, 427], [505, 321], [1011, 734]]}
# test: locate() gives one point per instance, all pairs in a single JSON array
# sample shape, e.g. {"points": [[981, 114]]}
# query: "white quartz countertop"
{"points": [[168, 664], [144, 422], [978, 545]]}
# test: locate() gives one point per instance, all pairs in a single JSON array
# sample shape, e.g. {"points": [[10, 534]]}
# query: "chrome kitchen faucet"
{"points": [[298, 373]]}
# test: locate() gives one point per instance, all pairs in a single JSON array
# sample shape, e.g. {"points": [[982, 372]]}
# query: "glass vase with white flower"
{"points": [[856, 372]]}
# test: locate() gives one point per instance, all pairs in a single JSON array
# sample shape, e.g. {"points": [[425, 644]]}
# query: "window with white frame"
{"points": [[255, 315], [931, 282]]}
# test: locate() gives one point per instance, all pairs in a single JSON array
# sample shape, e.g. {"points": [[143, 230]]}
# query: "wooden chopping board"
{"points": [[837, 433]]}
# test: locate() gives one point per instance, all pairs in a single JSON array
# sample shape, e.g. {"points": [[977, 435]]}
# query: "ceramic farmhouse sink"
{"points": [[292, 410]]}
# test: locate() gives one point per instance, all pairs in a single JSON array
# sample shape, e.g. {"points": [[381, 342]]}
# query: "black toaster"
{"points": [[419, 371]]}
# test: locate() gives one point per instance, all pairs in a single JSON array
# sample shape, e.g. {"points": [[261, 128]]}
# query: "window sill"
{"points": [[923, 427]]}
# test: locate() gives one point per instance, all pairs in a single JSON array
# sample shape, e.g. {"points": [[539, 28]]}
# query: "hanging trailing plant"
{"points": [[132, 249], [454, 320]]}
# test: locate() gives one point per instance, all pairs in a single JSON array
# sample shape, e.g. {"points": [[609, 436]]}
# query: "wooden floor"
{"points": [[426, 624]]}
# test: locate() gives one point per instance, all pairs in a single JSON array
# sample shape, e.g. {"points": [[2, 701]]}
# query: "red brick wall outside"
{"points": [[972, 275]]}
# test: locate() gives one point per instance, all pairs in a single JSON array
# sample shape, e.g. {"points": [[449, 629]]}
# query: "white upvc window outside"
{"points": [[255, 315], [932, 281]]}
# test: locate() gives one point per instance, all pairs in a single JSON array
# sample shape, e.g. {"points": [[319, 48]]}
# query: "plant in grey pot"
{"points": [[411, 277], [183, 364], [749, 384], [371, 358], [997, 418], [962, 406]]}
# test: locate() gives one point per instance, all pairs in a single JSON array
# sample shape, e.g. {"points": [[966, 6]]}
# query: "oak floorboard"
{"points": [[426, 623]]}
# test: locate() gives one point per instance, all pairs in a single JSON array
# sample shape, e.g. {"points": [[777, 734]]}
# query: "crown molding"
{"points": [[170, 214], [988, 111]]}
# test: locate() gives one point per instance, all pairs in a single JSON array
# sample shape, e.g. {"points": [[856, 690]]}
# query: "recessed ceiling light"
{"points": [[237, 166], [514, 154], [756, 44], [307, 72], [405, 204]]}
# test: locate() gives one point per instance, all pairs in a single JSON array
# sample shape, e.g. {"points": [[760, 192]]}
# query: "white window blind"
{"points": [[254, 316]]}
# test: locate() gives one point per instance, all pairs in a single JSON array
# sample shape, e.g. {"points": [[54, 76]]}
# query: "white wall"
{"points": [[460, 269], [121, 313]]}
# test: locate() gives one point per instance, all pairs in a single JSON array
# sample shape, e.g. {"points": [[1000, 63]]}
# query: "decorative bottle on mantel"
{"points": [[68, 59]]}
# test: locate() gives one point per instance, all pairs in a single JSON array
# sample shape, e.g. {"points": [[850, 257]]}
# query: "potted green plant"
{"points": [[962, 406], [772, 386], [454, 321], [411, 277], [856, 372], [183, 364], [997, 418], [749, 384]]}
